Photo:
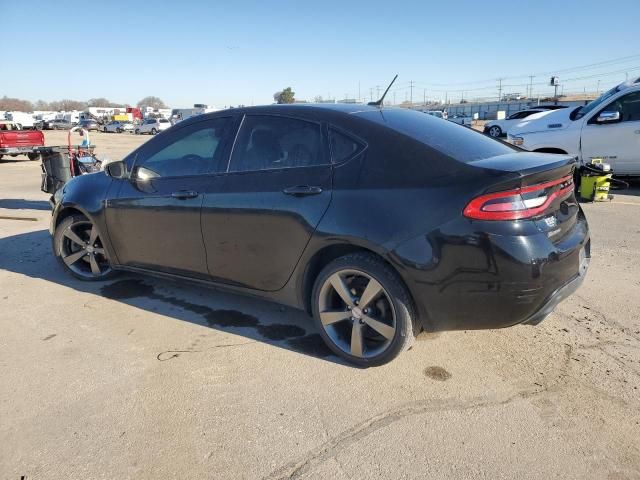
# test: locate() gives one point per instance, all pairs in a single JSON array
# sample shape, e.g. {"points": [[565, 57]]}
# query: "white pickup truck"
{"points": [[607, 128]]}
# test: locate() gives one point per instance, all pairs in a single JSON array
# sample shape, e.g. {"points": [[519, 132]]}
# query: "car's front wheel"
{"points": [[78, 246], [33, 156], [495, 131], [137, 131], [363, 310]]}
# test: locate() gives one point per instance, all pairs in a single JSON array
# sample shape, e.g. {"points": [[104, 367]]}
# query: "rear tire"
{"points": [[153, 131], [385, 322], [119, 130], [33, 156], [137, 132]]}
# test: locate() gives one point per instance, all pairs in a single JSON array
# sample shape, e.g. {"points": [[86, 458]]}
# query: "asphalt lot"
{"points": [[146, 378]]}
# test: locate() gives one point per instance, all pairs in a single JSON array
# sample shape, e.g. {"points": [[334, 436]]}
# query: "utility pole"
{"points": [[394, 98], [358, 91], [530, 86], [378, 95], [411, 88], [424, 97], [598, 87], [371, 94], [500, 89]]}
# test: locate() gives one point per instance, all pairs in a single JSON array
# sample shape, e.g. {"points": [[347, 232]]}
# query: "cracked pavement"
{"points": [[147, 378]]}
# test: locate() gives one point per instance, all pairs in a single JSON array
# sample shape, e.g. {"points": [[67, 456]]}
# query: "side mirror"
{"points": [[116, 169], [608, 117]]}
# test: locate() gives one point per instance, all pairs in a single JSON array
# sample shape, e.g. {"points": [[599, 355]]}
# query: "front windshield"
{"points": [[582, 111]]}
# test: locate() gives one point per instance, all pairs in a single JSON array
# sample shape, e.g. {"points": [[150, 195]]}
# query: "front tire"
{"points": [[78, 247], [137, 131], [153, 131], [495, 131], [363, 311], [33, 156]]}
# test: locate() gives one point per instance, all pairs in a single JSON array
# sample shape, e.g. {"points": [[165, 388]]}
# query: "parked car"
{"points": [[152, 126], [461, 119], [118, 127], [330, 208], [89, 124], [60, 124], [499, 128], [607, 128], [15, 141]]}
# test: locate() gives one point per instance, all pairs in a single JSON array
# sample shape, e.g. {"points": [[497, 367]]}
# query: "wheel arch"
{"points": [[327, 254]]}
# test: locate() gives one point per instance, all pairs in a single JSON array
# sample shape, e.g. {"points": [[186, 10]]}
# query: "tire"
{"points": [[33, 156], [93, 265], [104, 130], [137, 132], [495, 131], [153, 131], [118, 130], [392, 314]]}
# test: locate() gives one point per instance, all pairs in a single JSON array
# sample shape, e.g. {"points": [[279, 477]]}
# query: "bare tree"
{"points": [[153, 102], [15, 104]]}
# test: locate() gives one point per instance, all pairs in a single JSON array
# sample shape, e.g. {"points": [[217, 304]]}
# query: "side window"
{"points": [[628, 106], [268, 142], [193, 150], [343, 147]]}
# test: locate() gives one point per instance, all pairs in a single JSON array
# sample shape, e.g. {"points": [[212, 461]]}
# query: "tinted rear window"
{"points": [[460, 143]]}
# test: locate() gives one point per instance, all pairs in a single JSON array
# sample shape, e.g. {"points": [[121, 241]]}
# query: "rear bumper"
{"points": [[18, 150], [557, 297], [467, 277]]}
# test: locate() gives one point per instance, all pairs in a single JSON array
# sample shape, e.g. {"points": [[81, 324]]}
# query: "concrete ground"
{"points": [[147, 378]]}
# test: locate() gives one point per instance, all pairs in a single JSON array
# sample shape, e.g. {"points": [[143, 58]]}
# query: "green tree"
{"points": [[153, 102], [285, 96]]}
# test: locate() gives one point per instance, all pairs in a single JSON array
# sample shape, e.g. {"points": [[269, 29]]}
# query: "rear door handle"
{"points": [[184, 194], [302, 190]]}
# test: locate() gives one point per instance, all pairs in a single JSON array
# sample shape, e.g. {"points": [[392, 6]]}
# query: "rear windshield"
{"points": [[458, 142]]}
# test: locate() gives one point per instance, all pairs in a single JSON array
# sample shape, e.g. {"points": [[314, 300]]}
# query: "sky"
{"points": [[240, 52]]}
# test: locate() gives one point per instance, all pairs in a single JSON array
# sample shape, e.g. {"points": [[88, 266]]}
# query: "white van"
{"points": [[607, 128]]}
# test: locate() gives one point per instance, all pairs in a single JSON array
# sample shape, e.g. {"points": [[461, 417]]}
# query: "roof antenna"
{"points": [[379, 102]]}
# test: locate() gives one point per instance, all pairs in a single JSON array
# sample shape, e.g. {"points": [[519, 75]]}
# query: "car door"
{"points": [[154, 219], [617, 143], [276, 189]]}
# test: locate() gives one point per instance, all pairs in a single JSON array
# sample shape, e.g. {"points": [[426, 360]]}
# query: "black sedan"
{"points": [[379, 222]]}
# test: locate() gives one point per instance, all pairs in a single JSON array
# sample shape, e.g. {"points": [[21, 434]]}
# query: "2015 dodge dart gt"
{"points": [[377, 221]]}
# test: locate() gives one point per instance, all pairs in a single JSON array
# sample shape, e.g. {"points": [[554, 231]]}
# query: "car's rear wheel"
{"points": [[137, 131], [119, 130], [495, 131], [363, 310], [153, 131], [78, 246], [105, 130]]}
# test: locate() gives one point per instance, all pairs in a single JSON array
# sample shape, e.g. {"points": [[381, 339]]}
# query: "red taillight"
{"points": [[525, 202]]}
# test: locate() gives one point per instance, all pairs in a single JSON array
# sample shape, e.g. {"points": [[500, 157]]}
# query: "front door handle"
{"points": [[184, 194], [302, 190]]}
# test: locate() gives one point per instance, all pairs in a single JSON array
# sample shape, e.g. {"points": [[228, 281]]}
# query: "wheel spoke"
{"points": [[371, 292], [93, 236], [387, 331], [330, 317], [74, 257], [95, 268], [71, 235], [341, 289], [356, 339]]}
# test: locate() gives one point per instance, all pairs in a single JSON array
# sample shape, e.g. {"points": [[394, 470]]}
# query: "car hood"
{"points": [[543, 121]]}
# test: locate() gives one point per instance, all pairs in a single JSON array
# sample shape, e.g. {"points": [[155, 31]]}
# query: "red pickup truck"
{"points": [[14, 141]]}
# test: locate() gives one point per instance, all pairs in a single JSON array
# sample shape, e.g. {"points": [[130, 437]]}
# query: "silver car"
{"points": [[118, 127]]}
